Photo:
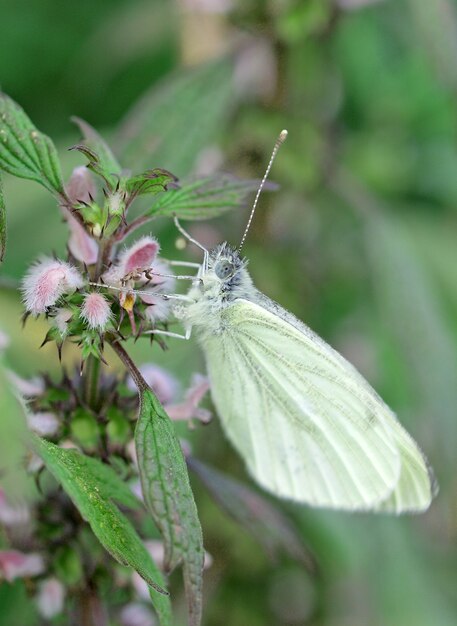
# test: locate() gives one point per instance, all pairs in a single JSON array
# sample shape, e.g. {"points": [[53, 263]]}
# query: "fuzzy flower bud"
{"points": [[50, 598], [46, 281], [96, 311], [43, 424], [15, 564], [138, 257]]}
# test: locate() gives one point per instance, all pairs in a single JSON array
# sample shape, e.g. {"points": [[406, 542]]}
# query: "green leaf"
{"points": [[25, 152], [101, 159], [205, 198], [266, 523], [174, 122], [2, 223], [92, 487], [149, 182], [168, 496]]}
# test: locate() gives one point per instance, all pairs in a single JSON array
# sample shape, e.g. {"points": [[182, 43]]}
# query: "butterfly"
{"points": [[309, 427]]}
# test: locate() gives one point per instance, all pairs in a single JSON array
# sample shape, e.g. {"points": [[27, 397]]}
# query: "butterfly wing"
{"points": [[308, 425]]}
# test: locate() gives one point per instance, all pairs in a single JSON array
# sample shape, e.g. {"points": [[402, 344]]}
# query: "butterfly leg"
{"points": [[184, 264], [168, 333], [187, 236]]}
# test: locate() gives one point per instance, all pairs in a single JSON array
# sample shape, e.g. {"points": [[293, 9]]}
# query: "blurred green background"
{"points": [[360, 241]]}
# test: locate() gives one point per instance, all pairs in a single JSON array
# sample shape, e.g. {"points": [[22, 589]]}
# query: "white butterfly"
{"points": [[308, 425]]}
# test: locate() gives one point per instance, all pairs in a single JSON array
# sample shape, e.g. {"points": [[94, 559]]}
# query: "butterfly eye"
{"points": [[223, 269]]}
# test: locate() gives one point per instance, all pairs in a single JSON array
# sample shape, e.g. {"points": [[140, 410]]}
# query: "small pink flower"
{"points": [[80, 188], [189, 409], [43, 424], [50, 598], [96, 311], [164, 385], [137, 258], [46, 281], [15, 564]]}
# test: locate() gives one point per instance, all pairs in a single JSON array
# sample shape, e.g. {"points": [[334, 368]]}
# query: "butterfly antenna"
{"points": [[279, 141]]}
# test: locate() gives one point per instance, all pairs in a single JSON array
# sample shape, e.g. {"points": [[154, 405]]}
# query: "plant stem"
{"points": [[129, 364], [89, 610], [91, 386]]}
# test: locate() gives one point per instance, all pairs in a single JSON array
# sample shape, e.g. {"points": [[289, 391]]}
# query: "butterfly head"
{"points": [[226, 262], [227, 271]]}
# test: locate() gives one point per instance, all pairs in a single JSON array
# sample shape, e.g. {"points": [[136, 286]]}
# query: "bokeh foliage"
{"points": [[359, 242]]}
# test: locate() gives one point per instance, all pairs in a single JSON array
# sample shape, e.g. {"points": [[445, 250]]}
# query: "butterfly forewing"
{"points": [[308, 425]]}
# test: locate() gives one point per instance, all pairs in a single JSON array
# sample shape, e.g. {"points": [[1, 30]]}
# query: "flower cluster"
{"points": [[53, 574], [82, 302]]}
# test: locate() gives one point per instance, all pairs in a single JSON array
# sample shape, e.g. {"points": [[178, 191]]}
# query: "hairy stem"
{"points": [[91, 385], [129, 364], [134, 224]]}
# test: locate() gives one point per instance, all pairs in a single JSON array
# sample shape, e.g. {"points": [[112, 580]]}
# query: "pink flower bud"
{"points": [[43, 424], [50, 598], [140, 255], [15, 564], [46, 281], [80, 188], [96, 311], [164, 385]]}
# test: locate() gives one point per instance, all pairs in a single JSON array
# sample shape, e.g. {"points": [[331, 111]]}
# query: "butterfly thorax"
{"points": [[225, 280]]}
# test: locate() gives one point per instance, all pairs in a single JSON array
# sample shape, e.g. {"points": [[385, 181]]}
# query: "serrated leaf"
{"points": [[149, 182], [172, 123], [25, 152], [266, 523], [2, 223], [113, 486], [205, 198], [92, 491], [169, 498], [101, 159]]}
